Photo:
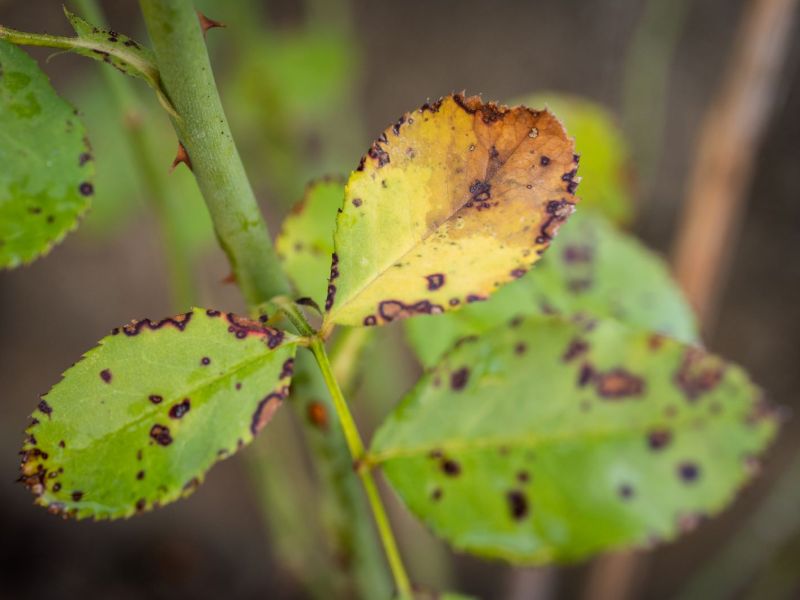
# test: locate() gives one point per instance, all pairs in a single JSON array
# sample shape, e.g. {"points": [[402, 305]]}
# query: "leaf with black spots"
{"points": [[594, 270], [606, 170], [450, 203], [47, 171], [305, 243], [138, 421], [551, 440]]}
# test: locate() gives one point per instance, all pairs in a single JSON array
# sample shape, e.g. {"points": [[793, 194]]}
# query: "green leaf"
{"points": [[606, 170], [450, 203], [138, 421], [549, 440], [305, 243], [594, 270], [46, 175], [120, 51]]}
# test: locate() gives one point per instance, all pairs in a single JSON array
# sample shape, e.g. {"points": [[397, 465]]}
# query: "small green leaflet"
{"points": [[47, 171], [550, 440], [593, 269], [120, 51], [305, 243], [138, 421]]}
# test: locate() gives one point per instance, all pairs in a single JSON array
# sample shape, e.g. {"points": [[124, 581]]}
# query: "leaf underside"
{"points": [[550, 440], [450, 203], [305, 243], [593, 270], [46, 174], [138, 421]]}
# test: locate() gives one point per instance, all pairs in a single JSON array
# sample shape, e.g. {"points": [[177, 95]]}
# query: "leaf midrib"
{"points": [[530, 441], [154, 408]]}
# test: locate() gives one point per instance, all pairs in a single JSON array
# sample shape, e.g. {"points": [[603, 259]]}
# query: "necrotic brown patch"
{"points": [[45, 408], [105, 375], [155, 398], [698, 373], [618, 383], [265, 411], [391, 310]]}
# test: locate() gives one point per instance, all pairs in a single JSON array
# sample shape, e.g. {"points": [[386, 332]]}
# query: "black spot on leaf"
{"points": [[688, 472], [161, 435], [517, 504], [181, 408], [435, 281], [459, 378]]}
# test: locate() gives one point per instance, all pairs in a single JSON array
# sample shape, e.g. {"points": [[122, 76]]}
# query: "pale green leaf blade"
{"points": [[606, 170], [594, 269], [47, 171], [548, 440], [305, 243], [450, 203], [138, 421]]}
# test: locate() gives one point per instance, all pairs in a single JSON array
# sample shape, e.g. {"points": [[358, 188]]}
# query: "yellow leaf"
{"points": [[451, 202]]}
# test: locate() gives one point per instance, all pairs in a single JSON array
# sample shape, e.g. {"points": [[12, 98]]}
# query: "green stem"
{"points": [[203, 129], [166, 205], [356, 446]]}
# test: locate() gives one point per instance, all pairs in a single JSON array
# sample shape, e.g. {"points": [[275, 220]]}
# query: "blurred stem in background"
{"points": [[167, 207], [645, 83], [725, 154], [355, 560]]}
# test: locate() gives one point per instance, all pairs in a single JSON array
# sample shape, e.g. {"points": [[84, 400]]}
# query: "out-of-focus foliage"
{"points": [[121, 191], [550, 440], [290, 95], [138, 421], [605, 169], [450, 203], [46, 168], [593, 270]]}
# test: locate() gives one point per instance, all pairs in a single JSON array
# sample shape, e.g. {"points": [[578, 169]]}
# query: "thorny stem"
{"points": [[166, 206], [356, 447], [203, 129]]}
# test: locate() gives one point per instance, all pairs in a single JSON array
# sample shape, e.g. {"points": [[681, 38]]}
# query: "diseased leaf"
{"points": [[305, 243], [138, 421], [548, 440], [606, 170], [120, 51], [451, 202], [46, 174], [594, 270]]}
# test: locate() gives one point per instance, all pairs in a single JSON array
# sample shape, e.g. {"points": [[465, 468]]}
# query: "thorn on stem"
{"points": [[181, 157], [206, 23]]}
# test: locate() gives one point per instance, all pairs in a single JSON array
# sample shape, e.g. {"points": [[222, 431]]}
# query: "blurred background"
{"points": [[307, 85]]}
